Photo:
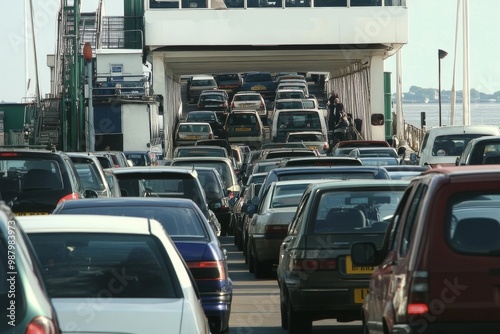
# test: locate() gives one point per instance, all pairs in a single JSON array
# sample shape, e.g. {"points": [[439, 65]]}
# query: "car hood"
{"points": [[118, 315]]}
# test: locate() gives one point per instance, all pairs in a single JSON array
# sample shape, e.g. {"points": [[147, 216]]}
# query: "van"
{"points": [[442, 145], [296, 120]]}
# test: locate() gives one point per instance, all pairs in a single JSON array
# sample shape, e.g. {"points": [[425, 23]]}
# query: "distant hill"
{"points": [[431, 95]]}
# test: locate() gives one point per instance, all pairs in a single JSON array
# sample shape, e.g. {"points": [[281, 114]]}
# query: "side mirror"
{"points": [[250, 209], [364, 254], [90, 193]]}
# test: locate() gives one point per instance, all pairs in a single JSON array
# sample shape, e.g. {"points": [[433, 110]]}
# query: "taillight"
{"points": [[314, 264], [207, 270], [419, 293], [232, 105], [117, 165], [8, 154], [42, 325], [276, 230], [69, 197], [224, 105], [325, 146], [210, 135], [262, 105]]}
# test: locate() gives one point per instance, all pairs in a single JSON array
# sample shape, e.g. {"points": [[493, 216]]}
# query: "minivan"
{"points": [[295, 120]]}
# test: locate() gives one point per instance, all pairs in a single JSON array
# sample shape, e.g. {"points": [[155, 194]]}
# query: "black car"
{"points": [[210, 117], [216, 100], [35, 181], [24, 302]]}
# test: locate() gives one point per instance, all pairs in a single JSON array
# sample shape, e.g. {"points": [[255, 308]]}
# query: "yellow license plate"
{"points": [[258, 87], [352, 269], [229, 90], [193, 137], [359, 295], [31, 213], [313, 147], [242, 129]]}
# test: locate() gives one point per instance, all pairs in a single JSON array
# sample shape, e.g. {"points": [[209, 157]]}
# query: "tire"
{"points": [[283, 309], [249, 257], [297, 323]]}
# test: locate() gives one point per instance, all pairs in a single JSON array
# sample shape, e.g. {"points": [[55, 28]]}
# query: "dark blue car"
{"points": [[193, 237]]}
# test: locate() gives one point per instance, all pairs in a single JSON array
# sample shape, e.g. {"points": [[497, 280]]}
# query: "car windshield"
{"points": [[82, 265], [205, 152], [222, 167], [452, 144], [243, 97], [206, 117], [342, 211], [305, 137], [211, 185]]}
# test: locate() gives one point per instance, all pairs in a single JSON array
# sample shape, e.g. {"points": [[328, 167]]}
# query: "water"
{"points": [[484, 113]]}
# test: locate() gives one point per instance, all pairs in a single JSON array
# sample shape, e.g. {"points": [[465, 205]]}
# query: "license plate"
{"points": [[313, 147], [352, 269], [31, 213], [193, 137], [229, 90], [212, 106], [258, 87], [242, 129], [359, 295]]}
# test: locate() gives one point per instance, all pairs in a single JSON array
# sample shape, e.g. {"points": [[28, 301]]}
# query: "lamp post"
{"points": [[441, 55], [87, 55]]}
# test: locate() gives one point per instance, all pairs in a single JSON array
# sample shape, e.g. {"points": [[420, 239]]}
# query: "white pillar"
{"points": [[377, 96]]}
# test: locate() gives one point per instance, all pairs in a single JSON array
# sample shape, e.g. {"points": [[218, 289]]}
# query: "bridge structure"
{"points": [[348, 39]]}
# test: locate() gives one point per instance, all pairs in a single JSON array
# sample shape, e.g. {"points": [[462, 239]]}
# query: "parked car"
{"points": [[35, 181], [286, 121], [269, 224], [199, 83], [126, 266], [225, 168], [230, 82], [24, 302], [138, 158], [213, 100], [187, 133], [163, 181], [245, 127], [200, 151], [91, 173], [211, 117], [245, 100], [312, 139], [481, 151], [442, 251], [442, 146], [315, 273]]}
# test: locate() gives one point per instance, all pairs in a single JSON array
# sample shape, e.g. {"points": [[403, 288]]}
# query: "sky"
{"points": [[432, 26]]}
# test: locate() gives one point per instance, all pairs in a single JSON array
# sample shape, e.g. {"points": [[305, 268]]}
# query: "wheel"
{"points": [[250, 258], [297, 323], [259, 268], [283, 309]]}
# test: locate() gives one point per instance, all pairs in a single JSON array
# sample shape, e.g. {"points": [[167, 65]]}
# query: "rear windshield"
{"points": [[247, 97], [306, 137], [82, 265], [299, 120], [358, 211], [201, 117], [90, 177], [27, 175], [227, 77], [473, 224], [452, 144], [222, 167], [238, 119], [256, 77], [203, 83], [211, 97], [205, 152]]}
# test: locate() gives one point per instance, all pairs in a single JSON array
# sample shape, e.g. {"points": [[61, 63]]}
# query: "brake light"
{"points": [[210, 135], [325, 146], [262, 105], [8, 154], [224, 105], [69, 197], [314, 264], [42, 325], [276, 230], [232, 105], [419, 293], [207, 270]]}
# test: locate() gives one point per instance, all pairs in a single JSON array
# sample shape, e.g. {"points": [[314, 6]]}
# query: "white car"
{"points": [[245, 100], [108, 274]]}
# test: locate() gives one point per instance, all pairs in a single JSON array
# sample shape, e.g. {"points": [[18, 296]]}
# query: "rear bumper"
{"points": [[268, 249], [428, 327], [217, 308]]}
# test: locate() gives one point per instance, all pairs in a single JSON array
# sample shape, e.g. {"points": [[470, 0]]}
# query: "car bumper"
{"points": [[429, 327], [321, 300], [268, 249], [217, 308]]}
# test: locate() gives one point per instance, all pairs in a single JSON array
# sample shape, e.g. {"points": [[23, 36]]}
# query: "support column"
{"points": [[377, 95]]}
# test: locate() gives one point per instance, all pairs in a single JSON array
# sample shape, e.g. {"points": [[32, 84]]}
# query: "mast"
{"points": [[399, 92], [26, 64], [466, 89], [453, 88]]}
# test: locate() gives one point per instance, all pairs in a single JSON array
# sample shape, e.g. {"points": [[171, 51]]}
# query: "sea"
{"points": [[487, 113]]}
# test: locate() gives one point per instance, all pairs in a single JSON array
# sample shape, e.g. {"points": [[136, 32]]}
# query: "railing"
{"points": [[413, 136], [222, 4], [119, 32], [124, 86]]}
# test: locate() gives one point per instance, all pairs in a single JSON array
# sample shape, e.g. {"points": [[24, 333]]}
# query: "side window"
{"points": [[296, 224], [411, 218], [396, 219]]}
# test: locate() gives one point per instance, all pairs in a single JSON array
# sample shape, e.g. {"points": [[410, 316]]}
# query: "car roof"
{"points": [[305, 170], [198, 159], [362, 143], [85, 223], [202, 77], [355, 184], [153, 169]]}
